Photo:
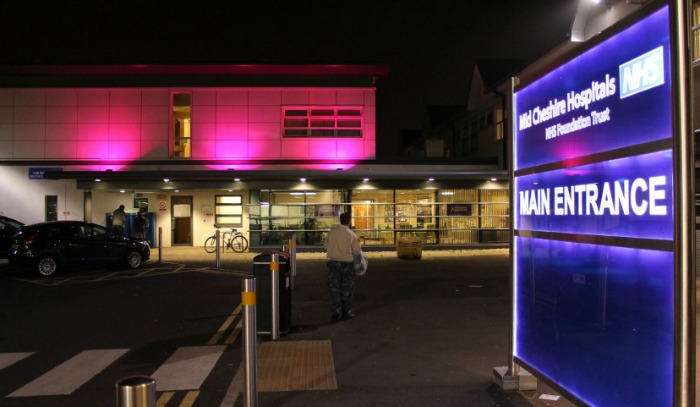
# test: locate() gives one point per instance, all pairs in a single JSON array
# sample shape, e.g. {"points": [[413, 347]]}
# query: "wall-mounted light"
{"points": [[302, 179], [608, 3], [122, 191], [166, 179], [431, 179], [494, 179], [365, 179], [98, 180], [236, 180]]}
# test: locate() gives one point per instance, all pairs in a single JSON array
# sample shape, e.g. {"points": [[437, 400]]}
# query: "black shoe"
{"points": [[335, 317], [348, 315]]}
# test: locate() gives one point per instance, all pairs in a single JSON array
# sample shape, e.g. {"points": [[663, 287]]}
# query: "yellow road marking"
{"points": [[190, 398], [234, 334], [164, 398], [217, 336]]}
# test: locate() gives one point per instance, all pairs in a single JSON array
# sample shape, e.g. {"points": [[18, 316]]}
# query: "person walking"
{"points": [[118, 220], [140, 224], [342, 245]]}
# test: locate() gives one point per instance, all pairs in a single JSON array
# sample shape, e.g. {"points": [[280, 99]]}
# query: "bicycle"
{"points": [[232, 239]]}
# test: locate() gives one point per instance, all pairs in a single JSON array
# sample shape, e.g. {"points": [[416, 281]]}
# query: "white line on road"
{"points": [[187, 368], [7, 359], [67, 377]]}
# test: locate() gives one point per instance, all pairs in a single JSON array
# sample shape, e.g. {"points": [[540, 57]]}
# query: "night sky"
{"points": [[429, 45]]}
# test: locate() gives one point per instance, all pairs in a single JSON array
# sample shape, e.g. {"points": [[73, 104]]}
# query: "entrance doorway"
{"points": [[182, 220], [364, 221]]}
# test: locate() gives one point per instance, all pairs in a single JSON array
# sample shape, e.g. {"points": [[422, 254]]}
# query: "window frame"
{"points": [[218, 205], [322, 121]]}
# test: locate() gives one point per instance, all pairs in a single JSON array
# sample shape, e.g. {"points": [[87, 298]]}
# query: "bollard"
{"points": [[136, 391], [160, 244], [292, 259], [218, 249], [248, 301], [275, 302]]}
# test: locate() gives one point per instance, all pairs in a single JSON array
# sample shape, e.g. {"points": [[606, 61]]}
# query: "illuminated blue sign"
{"points": [[614, 95], [38, 173], [593, 204], [642, 73], [627, 197], [596, 320]]}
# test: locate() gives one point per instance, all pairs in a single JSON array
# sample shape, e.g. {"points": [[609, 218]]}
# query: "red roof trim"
{"points": [[195, 70]]}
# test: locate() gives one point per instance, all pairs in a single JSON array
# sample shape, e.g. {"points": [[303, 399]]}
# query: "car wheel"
{"points": [[133, 259], [46, 266]]}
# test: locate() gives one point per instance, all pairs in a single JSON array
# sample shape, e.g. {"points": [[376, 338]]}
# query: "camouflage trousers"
{"points": [[341, 285]]}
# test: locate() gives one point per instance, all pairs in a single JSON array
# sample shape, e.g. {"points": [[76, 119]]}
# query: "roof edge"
{"points": [[197, 70]]}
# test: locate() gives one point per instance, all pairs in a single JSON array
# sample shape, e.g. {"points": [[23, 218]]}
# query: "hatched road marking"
{"points": [[7, 359], [67, 377], [187, 368]]}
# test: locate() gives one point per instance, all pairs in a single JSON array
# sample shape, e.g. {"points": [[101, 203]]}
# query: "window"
{"points": [[181, 134], [499, 124], [322, 121], [229, 210]]}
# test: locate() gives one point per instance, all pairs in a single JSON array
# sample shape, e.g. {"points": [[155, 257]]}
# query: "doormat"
{"points": [[294, 366]]}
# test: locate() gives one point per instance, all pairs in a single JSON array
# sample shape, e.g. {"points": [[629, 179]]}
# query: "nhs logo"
{"points": [[642, 73]]}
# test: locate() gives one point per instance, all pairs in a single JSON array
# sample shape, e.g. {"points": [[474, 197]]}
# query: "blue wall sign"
{"points": [[38, 172]]}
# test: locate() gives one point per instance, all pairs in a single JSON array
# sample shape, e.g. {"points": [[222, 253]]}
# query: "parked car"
{"points": [[60, 245], [8, 228]]}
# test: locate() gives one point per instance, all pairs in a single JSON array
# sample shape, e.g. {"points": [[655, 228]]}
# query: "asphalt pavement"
{"points": [[427, 332]]}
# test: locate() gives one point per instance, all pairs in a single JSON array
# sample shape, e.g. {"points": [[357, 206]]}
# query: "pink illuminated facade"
{"points": [[133, 124], [270, 150]]}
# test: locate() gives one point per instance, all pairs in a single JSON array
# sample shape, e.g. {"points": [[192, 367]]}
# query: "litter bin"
{"points": [[409, 248], [263, 278]]}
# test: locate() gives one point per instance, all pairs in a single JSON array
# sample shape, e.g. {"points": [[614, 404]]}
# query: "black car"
{"points": [[50, 246], [8, 228]]}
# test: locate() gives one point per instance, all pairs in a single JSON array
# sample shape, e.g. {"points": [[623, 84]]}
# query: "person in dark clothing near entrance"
{"points": [[140, 224], [341, 245]]}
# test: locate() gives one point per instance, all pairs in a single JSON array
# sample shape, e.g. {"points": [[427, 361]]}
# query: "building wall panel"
{"points": [[135, 123]]}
